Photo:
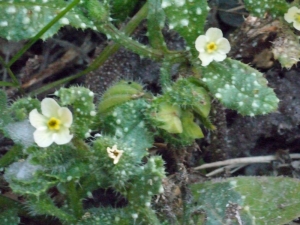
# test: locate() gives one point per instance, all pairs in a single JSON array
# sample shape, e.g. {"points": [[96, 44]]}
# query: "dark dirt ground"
{"points": [[278, 133]]}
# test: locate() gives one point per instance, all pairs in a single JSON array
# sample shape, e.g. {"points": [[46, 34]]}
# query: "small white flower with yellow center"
{"points": [[52, 125], [293, 16], [114, 153], [212, 46]]}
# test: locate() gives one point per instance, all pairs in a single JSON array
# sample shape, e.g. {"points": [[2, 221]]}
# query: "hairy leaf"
{"points": [[260, 8], [187, 17], [240, 87], [21, 19], [247, 200]]}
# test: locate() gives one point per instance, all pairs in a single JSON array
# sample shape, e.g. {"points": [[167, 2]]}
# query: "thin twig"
{"points": [[244, 160], [223, 169]]}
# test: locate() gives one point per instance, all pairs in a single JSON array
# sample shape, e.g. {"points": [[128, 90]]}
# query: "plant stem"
{"points": [[44, 30], [74, 199], [9, 203], [11, 156], [11, 74], [106, 53], [121, 38], [140, 49]]}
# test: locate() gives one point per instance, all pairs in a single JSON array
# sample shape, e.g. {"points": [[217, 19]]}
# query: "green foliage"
{"points": [[121, 10], [5, 118], [23, 178], [81, 99], [20, 109], [119, 93], [191, 130], [60, 158], [44, 205], [21, 20], [250, 200], [96, 10], [189, 95], [173, 112], [9, 217], [14, 123], [129, 118], [240, 87], [14, 154], [187, 18], [156, 22], [167, 117], [286, 48], [150, 174], [106, 216], [126, 124], [114, 175], [260, 8]]}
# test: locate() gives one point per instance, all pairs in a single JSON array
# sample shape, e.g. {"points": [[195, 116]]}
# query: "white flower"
{"points": [[114, 153], [212, 46], [293, 16], [52, 125]]}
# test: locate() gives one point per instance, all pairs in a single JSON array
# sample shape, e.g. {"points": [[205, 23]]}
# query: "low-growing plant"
{"points": [[57, 151]]}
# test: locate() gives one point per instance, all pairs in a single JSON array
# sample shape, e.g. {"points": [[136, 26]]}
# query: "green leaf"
{"points": [[286, 47], [276, 8], [26, 178], [81, 99], [190, 128], [250, 200], [44, 205], [14, 153], [24, 19], [156, 22], [119, 93], [5, 118], [189, 94], [187, 18], [10, 217], [126, 124], [169, 116], [106, 216], [240, 87], [121, 9]]}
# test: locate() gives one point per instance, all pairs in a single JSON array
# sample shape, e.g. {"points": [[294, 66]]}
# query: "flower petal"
{"points": [[201, 43], [296, 25], [49, 107], [43, 138], [290, 15], [213, 34], [223, 45], [37, 120], [65, 116], [63, 136], [206, 58], [219, 57]]}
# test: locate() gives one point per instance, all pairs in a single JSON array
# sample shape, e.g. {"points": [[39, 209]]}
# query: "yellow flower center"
{"points": [[297, 17], [54, 124], [211, 47]]}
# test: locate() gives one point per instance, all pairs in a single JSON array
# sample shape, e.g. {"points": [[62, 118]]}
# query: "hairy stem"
{"points": [[106, 53], [74, 199]]}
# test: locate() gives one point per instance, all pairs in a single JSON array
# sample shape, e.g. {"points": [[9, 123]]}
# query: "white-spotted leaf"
{"points": [[187, 17], [21, 19], [240, 87], [247, 200]]}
